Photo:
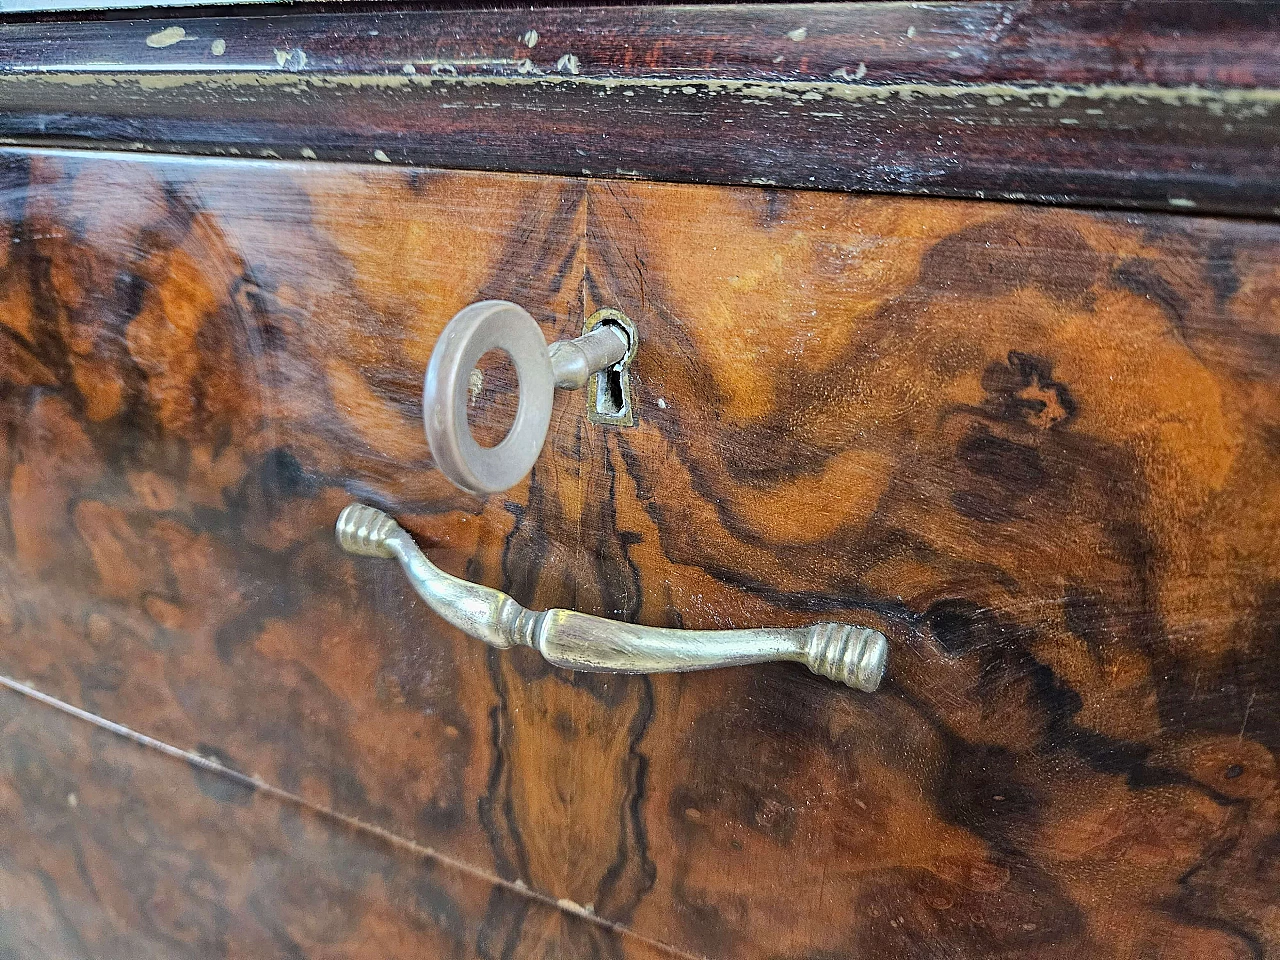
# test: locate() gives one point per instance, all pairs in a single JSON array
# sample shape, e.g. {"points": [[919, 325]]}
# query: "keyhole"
{"points": [[609, 396]]}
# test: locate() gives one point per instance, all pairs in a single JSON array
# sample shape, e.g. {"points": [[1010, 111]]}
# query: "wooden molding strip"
{"points": [[1165, 105]]}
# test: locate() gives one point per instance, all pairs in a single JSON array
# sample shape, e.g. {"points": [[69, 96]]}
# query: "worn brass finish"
{"points": [[574, 362], [601, 407], [854, 656]]}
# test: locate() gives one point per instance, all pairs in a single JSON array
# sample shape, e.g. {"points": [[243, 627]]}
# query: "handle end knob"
{"points": [[854, 656], [365, 531]]}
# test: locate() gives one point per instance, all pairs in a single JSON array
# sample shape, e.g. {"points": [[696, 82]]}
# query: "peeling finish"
{"points": [[1258, 102], [294, 60], [218, 47], [166, 37], [587, 910], [979, 99], [855, 105]]}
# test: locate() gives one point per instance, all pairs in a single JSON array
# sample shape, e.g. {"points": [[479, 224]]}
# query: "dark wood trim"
{"points": [[1156, 105]]}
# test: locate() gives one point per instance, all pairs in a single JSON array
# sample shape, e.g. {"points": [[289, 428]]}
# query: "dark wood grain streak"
{"points": [[1038, 447], [1161, 104]]}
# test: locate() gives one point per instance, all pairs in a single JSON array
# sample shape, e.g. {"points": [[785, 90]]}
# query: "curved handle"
{"points": [[854, 656]]}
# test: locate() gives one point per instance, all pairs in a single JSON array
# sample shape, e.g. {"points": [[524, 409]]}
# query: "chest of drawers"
{"points": [[955, 321]]}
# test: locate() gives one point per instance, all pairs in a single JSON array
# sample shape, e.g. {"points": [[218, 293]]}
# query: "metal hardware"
{"points": [[854, 656], [574, 362], [500, 325], [609, 391]]}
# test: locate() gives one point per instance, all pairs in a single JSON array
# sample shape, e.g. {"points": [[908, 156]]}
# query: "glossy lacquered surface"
{"points": [[116, 851], [1036, 447]]}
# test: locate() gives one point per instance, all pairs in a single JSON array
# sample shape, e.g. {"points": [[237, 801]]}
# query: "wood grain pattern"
{"points": [[1156, 104], [1037, 447], [113, 850]]}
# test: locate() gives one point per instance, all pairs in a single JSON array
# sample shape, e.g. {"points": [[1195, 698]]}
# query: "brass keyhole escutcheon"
{"points": [[609, 389]]}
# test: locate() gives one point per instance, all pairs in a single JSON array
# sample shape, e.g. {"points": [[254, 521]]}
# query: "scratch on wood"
{"points": [[1247, 707]]}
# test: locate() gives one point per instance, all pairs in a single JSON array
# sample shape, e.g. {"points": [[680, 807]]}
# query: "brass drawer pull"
{"points": [[501, 325], [854, 656]]}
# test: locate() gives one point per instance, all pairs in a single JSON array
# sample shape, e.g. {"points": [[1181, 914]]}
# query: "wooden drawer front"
{"points": [[1039, 448]]}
